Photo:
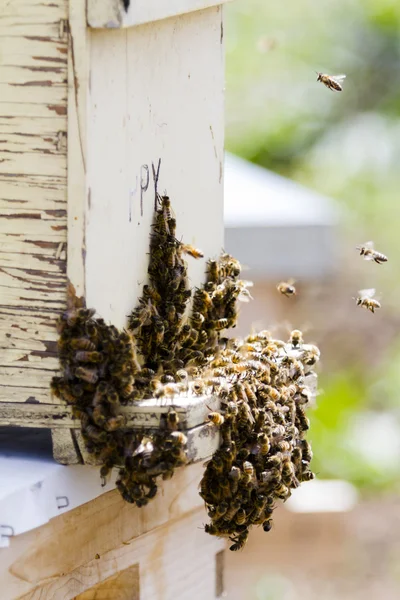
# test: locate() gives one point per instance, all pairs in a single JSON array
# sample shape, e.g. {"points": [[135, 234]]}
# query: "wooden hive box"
{"points": [[101, 107]]}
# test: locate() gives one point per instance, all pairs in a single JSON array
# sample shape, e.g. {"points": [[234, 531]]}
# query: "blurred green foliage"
{"points": [[344, 145]]}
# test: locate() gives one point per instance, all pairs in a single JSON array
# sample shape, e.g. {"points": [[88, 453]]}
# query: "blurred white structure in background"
{"points": [[323, 496], [276, 227]]}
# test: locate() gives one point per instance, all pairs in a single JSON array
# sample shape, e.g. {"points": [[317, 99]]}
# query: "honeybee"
{"points": [[82, 343], [287, 288], [216, 418], [332, 82], [368, 252], [296, 338], [311, 356], [88, 356], [88, 375], [239, 541], [365, 298], [194, 252]]}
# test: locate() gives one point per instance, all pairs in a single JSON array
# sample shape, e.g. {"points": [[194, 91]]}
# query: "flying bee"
{"points": [[191, 251], [332, 82], [365, 298], [287, 288], [216, 418], [368, 252], [296, 338]]}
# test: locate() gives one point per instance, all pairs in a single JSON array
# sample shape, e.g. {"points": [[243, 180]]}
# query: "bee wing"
{"points": [[338, 78], [369, 293], [369, 245], [291, 281]]}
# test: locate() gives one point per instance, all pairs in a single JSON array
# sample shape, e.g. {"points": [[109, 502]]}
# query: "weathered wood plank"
{"points": [[34, 164], [16, 245], [27, 126], [39, 93], [33, 110], [31, 46], [78, 190], [22, 223], [32, 262], [23, 393], [35, 359], [46, 31], [20, 377], [27, 75], [43, 143], [118, 533]]}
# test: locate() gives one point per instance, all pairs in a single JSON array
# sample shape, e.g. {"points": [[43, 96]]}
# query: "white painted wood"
{"points": [[111, 14], [78, 81], [165, 81], [105, 536]]}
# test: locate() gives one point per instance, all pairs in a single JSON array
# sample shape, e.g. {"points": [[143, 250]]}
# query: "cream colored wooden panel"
{"points": [[111, 13], [124, 586], [166, 539], [33, 169], [165, 81]]}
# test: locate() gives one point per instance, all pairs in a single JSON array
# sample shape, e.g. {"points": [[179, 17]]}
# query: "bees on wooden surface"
{"points": [[286, 288], [368, 252], [332, 82], [366, 298]]}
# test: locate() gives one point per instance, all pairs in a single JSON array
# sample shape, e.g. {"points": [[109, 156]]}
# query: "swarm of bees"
{"points": [[162, 354], [263, 425], [166, 352]]}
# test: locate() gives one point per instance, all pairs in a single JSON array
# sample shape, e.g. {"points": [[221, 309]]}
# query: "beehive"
{"points": [[95, 121]]}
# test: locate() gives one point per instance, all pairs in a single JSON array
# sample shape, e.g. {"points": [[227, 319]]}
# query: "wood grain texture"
{"points": [[111, 14], [123, 586], [166, 539], [33, 202]]}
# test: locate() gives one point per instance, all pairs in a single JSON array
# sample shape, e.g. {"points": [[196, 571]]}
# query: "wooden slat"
{"points": [[111, 14], [24, 393], [19, 75], [58, 560], [30, 46], [39, 93], [35, 359], [17, 245], [78, 191], [33, 262], [33, 164]]}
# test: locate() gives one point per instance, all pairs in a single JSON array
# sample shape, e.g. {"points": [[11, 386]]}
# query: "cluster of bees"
{"points": [[166, 352], [365, 297], [263, 424]]}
